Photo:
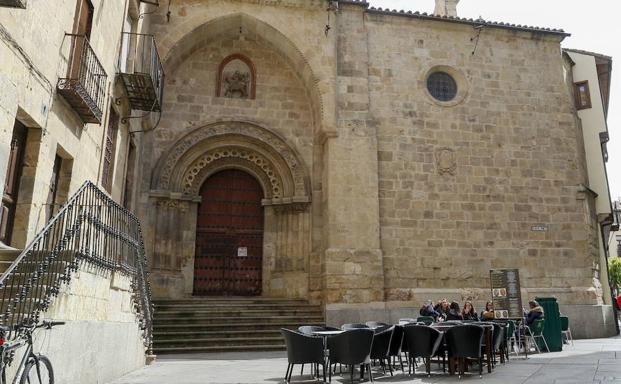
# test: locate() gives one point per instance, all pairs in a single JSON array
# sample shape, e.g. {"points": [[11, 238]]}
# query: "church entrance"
{"points": [[229, 236]]}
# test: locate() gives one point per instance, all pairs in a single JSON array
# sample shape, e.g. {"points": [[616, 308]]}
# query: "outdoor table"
{"points": [[325, 335]]}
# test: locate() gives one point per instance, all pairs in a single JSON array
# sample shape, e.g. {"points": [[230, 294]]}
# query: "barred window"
{"points": [[442, 86]]}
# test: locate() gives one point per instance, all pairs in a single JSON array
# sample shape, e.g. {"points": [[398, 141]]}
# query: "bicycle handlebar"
{"points": [[50, 324]]}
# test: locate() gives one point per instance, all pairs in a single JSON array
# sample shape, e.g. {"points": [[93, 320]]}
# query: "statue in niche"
{"points": [[236, 84]]}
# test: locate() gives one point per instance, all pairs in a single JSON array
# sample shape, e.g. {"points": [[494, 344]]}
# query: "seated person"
{"points": [[442, 308], [454, 313], [468, 312], [428, 310], [488, 312], [535, 312]]}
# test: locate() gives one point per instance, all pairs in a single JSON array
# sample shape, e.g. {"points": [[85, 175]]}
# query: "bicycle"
{"points": [[33, 368]]}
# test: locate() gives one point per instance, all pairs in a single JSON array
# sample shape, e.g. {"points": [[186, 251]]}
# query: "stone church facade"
{"points": [[365, 159]]}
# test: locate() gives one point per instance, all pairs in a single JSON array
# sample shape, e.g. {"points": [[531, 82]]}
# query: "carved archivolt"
{"points": [[243, 145], [190, 186]]}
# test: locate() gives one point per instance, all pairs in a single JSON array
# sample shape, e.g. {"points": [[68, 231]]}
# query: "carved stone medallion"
{"points": [[445, 161]]}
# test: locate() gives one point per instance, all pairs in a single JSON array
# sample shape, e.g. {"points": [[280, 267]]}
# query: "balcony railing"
{"points": [[142, 72], [13, 3], [84, 86]]}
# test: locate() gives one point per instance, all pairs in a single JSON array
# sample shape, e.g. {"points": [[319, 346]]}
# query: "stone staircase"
{"points": [[220, 324], [7, 257]]}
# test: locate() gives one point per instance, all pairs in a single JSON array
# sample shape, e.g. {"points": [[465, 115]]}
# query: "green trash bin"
{"points": [[552, 328]]}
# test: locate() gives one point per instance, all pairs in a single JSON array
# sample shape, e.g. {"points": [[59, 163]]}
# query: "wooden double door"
{"points": [[229, 236]]}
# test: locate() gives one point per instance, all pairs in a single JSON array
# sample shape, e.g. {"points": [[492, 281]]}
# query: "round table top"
{"points": [[328, 333]]}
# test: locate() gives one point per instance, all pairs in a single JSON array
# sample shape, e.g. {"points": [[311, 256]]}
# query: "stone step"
{"points": [[221, 312], [227, 301], [218, 324], [218, 342], [9, 254], [5, 264], [226, 327], [165, 335], [230, 348], [233, 320], [217, 306]]}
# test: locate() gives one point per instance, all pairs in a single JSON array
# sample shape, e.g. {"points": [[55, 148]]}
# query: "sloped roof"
{"points": [[459, 20]]}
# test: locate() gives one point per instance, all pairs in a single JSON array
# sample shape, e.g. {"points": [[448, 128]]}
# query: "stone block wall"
{"points": [[512, 148], [101, 340], [33, 58]]}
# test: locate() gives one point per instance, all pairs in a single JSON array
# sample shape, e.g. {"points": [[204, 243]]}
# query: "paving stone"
{"points": [[579, 364]]}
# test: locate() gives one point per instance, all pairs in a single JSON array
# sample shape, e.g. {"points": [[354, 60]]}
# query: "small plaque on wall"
{"points": [[539, 228], [242, 251]]}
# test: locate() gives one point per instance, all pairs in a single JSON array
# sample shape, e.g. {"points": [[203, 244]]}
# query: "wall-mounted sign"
{"points": [[506, 295], [242, 251], [539, 228]]}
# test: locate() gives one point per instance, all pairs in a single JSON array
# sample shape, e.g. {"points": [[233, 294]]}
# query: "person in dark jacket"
{"points": [[428, 310], [468, 312], [535, 313], [454, 313], [442, 308]]}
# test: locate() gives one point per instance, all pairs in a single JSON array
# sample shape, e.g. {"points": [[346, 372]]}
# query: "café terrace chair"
{"points": [[565, 330], [424, 342], [535, 331], [303, 349], [352, 348], [381, 347], [395, 348], [428, 320], [465, 341]]}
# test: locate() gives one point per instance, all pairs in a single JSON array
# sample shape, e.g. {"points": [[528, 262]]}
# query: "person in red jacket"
{"points": [[619, 302]]}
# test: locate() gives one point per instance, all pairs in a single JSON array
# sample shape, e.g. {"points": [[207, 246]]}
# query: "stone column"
{"points": [[354, 278]]}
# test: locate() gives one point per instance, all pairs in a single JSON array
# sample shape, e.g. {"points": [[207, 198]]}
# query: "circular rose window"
{"points": [[442, 86]]}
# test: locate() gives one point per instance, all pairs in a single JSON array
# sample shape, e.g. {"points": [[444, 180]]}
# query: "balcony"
{"points": [[13, 3], [84, 88], [141, 72]]}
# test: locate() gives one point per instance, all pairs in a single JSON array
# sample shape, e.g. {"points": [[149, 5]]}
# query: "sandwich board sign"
{"points": [[506, 294]]}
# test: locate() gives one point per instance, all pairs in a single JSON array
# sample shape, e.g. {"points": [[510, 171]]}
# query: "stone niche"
{"points": [[236, 78]]}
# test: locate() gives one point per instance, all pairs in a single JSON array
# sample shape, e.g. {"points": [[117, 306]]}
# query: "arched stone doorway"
{"points": [[229, 236], [177, 196]]}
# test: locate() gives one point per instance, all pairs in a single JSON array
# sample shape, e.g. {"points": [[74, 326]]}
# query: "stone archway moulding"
{"points": [[183, 168]]}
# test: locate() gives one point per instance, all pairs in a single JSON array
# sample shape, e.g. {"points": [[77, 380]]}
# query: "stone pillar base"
{"points": [[590, 321]]}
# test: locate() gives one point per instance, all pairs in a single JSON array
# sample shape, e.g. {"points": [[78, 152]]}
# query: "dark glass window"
{"points": [[442, 86]]}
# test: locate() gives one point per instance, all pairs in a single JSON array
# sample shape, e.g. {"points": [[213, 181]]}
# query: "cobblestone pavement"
{"points": [[588, 361]]}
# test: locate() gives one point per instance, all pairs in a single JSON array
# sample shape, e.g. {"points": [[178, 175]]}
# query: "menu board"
{"points": [[506, 295]]}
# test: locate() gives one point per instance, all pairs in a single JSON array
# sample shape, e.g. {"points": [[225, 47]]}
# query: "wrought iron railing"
{"points": [[13, 3], [90, 229], [140, 57], [84, 86]]}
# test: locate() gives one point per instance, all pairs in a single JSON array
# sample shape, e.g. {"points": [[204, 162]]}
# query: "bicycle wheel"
{"points": [[45, 374]]}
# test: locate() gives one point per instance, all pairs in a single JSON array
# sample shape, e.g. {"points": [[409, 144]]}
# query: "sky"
{"points": [[594, 26]]}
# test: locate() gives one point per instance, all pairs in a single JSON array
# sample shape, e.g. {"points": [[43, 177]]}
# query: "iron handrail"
{"points": [[90, 229]]}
